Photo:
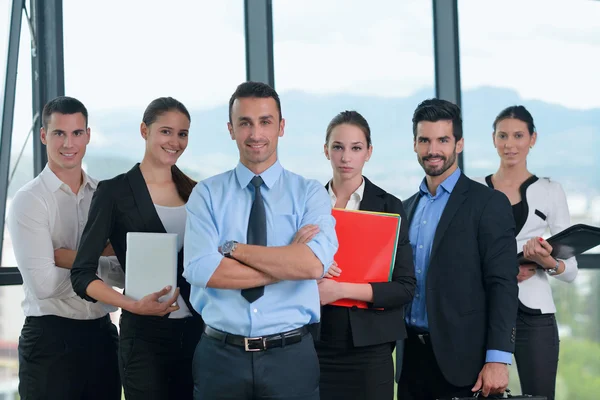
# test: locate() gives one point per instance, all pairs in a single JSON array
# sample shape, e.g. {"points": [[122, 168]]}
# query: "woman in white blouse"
{"points": [[538, 204]]}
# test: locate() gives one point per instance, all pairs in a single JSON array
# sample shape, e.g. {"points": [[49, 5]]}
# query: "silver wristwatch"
{"points": [[553, 271], [228, 248]]}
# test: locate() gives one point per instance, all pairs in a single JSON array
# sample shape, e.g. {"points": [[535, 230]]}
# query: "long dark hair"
{"points": [[155, 109]]}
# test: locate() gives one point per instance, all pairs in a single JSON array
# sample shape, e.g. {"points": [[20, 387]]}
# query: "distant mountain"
{"points": [[567, 148]]}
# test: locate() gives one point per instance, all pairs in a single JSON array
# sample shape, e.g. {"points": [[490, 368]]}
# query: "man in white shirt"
{"points": [[68, 346]]}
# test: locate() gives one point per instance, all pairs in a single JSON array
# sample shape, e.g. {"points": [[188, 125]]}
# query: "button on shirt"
{"points": [[421, 234], [46, 215], [218, 210]]}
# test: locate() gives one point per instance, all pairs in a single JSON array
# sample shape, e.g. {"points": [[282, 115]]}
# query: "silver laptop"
{"points": [[151, 264]]}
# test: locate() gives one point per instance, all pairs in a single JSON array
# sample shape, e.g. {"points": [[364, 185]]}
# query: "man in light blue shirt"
{"points": [[461, 323], [253, 279]]}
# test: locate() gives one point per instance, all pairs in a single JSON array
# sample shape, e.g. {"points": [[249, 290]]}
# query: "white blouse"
{"points": [[547, 209], [355, 198]]}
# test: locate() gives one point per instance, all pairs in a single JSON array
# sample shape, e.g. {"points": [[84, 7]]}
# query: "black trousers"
{"points": [[536, 353], [421, 377], [67, 359], [155, 356], [223, 371], [356, 373]]}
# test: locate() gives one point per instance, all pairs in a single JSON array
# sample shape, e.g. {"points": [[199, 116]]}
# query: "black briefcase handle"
{"points": [[508, 396]]}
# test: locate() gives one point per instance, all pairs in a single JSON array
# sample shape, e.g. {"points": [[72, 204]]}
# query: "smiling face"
{"points": [[256, 127], [347, 149], [513, 140], [437, 148], [66, 137], [166, 138]]}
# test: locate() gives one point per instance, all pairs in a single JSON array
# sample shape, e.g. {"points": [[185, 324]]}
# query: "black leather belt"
{"points": [[260, 343]]}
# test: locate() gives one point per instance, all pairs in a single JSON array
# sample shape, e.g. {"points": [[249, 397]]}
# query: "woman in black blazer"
{"points": [[157, 340], [355, 345]]}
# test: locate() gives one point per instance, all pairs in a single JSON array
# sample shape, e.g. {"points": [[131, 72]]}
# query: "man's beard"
{"points": [[437, 171]]}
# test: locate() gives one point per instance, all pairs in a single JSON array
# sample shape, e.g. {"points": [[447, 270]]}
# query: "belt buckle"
{"points": [[250, 341], [421, 338]]}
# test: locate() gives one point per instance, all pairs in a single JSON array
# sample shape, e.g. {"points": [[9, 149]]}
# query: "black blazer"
{"points": [[365, 327], [471, 283], [119, 205]]}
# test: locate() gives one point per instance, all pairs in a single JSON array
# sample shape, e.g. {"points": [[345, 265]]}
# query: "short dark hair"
{"points": [[351, 118], [162, 105], [516, 112], [254, 89], [434, 110], [63, 105]]}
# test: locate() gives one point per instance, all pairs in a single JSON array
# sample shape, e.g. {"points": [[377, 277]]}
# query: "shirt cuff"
{"points": [[498, 356], [199, 271], [321, 254]]}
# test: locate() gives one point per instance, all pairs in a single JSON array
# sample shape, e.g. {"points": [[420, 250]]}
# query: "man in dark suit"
{"points": [[461, 323]]}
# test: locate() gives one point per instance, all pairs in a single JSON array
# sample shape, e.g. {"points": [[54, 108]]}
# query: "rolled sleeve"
{"points": [[200, 258], [29, 228], [318, 212], [498, 356]]}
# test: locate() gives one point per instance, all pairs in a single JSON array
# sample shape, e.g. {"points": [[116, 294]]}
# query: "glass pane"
{"points": [[22, 136], [11, 316], [11, 321], [549, 65], [193, 51], [377, 60]]}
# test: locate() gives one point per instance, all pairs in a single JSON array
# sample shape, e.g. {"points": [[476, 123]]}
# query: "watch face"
{"points": [[227, 247]]}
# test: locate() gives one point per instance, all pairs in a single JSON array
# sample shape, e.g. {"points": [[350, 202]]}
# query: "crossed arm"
{"points": [[253, 266]]}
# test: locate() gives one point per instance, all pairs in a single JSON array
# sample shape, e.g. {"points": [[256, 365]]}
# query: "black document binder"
{"points": [[571, 242]]}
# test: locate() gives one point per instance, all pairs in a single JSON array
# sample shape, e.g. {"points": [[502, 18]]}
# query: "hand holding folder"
{"points": [[367, 248], [571, 242]]}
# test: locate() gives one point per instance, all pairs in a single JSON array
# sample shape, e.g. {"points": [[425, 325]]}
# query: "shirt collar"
{"points": [[358, 193], [54, 183], [448, 184], [270, 176]]}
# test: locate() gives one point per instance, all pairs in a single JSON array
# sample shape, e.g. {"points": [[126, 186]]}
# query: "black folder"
{"points": [[571, 242]]}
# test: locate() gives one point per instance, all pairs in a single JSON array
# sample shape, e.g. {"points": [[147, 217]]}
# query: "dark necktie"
{"points": [[257, 232]]}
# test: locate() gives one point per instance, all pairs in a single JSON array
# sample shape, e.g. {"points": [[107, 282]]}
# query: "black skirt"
{"points": [[356, 373]]}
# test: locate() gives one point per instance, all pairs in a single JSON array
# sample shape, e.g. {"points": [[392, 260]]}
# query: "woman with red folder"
{"points": [[355, 345], [538, 204]]}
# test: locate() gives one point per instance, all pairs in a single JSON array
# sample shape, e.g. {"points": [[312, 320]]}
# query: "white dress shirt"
{"points": [[548, 199], [46, 215], [355, 198]]}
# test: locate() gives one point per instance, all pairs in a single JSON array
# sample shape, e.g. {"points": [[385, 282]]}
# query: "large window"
{"points": [[11, 317], [544, 55], [376, 58], [135, 51]]}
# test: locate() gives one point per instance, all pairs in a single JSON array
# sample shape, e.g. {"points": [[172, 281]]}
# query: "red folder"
{"points": [[367, 248]]}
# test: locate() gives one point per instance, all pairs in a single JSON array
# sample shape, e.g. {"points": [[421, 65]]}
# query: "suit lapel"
{"points": [[457, 197], [410, 205], [372, 199], [143, 201]]}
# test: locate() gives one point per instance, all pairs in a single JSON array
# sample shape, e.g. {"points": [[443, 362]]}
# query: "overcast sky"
{"points": [[122, 54]]}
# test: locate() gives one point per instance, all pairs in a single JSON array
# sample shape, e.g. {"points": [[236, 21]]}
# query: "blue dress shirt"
{"points": [[218, 210], [422, 230]]}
